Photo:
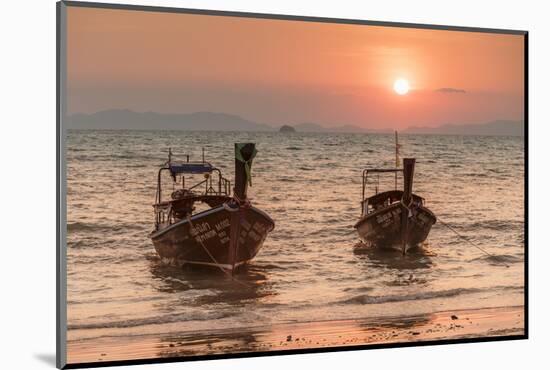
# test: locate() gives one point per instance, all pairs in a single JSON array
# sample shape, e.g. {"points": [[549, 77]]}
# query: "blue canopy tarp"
{"points": [[192, 168]]}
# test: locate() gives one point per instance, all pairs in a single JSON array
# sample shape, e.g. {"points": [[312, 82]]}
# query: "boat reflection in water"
{"points": [[250, 285], [418, 258]]}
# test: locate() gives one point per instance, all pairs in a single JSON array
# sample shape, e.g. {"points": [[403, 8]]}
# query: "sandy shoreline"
{"points": [[437, 326]]}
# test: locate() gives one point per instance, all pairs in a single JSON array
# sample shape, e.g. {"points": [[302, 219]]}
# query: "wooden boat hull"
{"points": [[383, 228], [207, 242]]}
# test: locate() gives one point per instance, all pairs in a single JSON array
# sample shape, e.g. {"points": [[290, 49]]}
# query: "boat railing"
{"points": [[212, 185], [163, 214], [223, 186], [365, 181]]}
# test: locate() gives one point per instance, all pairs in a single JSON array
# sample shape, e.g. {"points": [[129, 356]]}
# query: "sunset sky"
{"points": [[278, 72]]}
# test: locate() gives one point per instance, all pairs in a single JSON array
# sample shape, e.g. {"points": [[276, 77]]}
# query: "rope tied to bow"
{"points": [[497, 259]]}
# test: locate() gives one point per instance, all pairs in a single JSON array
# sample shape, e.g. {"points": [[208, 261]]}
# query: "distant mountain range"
{"points": [[494, 128], [124, 119]]}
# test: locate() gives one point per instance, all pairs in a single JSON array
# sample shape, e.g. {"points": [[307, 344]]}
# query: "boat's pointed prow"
{"points": [[408, 175], [244, 154]]}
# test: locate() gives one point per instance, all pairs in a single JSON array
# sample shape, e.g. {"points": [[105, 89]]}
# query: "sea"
{"points": [[311, 267]]}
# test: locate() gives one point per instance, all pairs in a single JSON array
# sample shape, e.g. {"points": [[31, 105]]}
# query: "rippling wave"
{"points": [[367, 299]]}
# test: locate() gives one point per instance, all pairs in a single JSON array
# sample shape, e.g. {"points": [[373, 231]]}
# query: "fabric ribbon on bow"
{"points": [[247, 163]]}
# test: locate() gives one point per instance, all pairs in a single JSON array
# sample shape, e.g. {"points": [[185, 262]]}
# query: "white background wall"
{"points": [[27, 196]]}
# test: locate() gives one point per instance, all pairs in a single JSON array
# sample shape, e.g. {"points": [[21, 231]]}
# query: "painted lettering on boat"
{"points": [[200, 227], [253, 232], [223, 224], [259, 227], [208, 235], [245, 224], [202, 231], [387, 219], [422, 219], [254, 236]]}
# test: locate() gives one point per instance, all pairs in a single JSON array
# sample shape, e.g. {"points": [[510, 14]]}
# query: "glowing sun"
{"points": [[401, 86]]}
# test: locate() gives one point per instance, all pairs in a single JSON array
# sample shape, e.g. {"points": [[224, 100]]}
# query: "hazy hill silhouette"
{"points": [[124, 119]]}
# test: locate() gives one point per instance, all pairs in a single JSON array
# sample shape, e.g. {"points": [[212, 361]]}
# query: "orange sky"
{"points": [[275, 71]]}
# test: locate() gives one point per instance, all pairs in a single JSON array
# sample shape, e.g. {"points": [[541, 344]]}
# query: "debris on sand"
{"points": [[454, 317], [289, 338]]}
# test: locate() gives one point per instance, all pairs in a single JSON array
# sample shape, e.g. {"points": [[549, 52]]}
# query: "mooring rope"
{"points": [[214, 259], [471, 243]]}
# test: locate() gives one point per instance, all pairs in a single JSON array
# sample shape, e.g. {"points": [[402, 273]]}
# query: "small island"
{"points": [[287, 128]]}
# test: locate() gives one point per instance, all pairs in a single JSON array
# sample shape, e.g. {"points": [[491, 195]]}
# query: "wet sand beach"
{"points": [[458, 324]]}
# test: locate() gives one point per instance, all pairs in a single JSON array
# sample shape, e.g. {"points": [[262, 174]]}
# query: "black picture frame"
{"points": [[61, 261]]}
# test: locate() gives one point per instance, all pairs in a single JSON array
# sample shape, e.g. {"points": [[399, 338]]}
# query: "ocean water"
{"points": [[308, 269]]}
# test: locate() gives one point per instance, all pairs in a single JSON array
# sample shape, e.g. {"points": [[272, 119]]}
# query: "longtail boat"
{"points": [[395, 219], [227, 234]]}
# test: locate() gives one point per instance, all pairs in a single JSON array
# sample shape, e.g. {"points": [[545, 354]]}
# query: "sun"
{"points": [[401, 86]]}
